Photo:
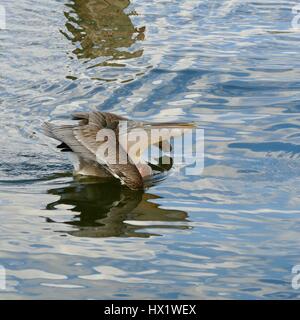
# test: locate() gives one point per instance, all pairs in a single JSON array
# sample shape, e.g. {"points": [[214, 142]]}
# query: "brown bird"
{"points": [[81, 142]]}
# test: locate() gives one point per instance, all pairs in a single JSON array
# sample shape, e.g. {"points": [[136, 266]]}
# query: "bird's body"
{"points": [[82, 143]]}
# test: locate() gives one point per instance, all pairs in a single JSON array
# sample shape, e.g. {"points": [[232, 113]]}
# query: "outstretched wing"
{"points": [[82, 140], [64, 134]]}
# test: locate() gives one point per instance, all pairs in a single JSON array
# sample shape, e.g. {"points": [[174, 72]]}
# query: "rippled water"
{"points": [[232, 67]]}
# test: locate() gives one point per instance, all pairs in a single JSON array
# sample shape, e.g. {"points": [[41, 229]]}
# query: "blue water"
{"points": [[230, 233]]}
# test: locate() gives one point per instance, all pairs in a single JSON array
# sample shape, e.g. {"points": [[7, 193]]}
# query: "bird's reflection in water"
{"points": [[106, 210], [101, 28]]}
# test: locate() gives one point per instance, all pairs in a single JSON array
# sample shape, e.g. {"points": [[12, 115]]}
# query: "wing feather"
{"points": [[87, 136]]}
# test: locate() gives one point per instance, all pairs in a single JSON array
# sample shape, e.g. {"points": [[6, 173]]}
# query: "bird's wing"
{"points": [[86, 135], [65, 134], [146, 132]]}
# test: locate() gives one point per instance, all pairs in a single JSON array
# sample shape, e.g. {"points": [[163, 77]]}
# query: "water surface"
{"points": [[232, 67]]}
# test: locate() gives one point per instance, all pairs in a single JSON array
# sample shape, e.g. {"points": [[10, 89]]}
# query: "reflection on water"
{"points": [[102, 29], [108, 210]]}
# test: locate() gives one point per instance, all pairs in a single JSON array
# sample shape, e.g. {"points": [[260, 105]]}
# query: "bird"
{"points": [[80, 141]]}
